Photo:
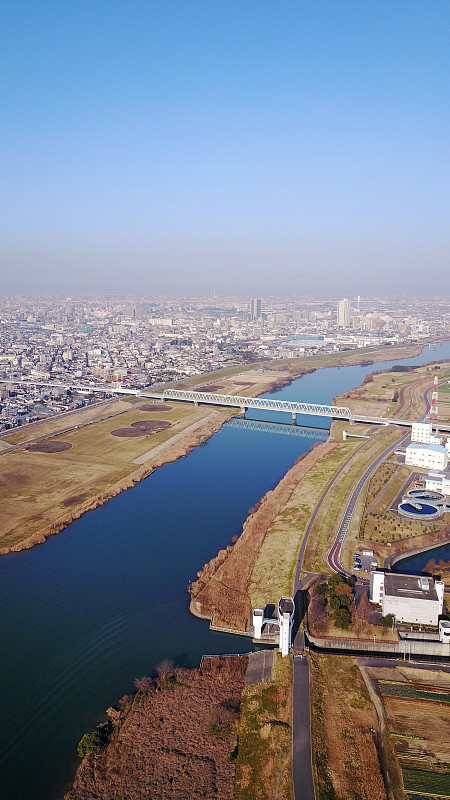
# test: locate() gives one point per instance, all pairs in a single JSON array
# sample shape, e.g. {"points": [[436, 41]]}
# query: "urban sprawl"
{"points": [[141, 342]]}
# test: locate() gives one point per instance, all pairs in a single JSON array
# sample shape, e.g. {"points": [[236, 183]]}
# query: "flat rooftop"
{"points": [[413, 586]]}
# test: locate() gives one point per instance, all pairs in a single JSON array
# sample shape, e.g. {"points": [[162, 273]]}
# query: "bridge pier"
{"points": [[294, 418], [243, 410]]}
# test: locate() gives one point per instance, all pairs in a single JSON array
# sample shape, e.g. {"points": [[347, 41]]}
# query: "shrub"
{"points": [[94, 742]]}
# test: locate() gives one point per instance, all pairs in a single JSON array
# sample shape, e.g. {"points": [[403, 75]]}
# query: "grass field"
{"points": [[330, 513], [264, 761], [344, 752], [41, 492]]}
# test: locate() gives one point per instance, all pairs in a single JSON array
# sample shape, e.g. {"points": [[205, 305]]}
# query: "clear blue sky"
{"points": [[230, 145]]}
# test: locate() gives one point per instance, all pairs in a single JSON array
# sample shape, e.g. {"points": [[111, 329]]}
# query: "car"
{"points": [[356, 566]]}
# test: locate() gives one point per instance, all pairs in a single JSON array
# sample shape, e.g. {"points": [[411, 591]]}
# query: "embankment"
{"points": [[221, 591]]}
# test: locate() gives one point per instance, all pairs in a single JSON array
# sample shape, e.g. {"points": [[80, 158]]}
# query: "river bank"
{"points": [[26, 482], [221, 592], [243, 577], [169, 452]]}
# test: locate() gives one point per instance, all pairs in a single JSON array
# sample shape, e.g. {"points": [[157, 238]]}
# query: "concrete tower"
{"points": [[433, 413], [343, 313]]}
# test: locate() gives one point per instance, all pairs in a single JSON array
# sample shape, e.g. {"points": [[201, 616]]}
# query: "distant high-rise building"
{"points": [[255, 308], [343, 313]]}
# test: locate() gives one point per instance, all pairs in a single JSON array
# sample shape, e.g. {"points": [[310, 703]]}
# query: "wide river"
{"points": [[105, 601]]}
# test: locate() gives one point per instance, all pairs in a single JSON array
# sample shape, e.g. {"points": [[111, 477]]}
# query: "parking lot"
{"points": [[364, 561]]}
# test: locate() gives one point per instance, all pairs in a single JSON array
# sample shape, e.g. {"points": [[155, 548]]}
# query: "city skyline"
{"points": [[240, 149]]}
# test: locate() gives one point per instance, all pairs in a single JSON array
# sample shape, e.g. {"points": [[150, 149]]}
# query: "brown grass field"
{"points": [[42, 492], [344, 753], [264, 761], [174, 740]]}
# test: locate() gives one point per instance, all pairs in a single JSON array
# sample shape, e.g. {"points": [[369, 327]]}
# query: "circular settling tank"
{"points": [[422, 511], [425, 496]]}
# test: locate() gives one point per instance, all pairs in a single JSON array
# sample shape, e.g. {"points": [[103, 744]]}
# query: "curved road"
{"points": [[301, 729], [334, 555]]}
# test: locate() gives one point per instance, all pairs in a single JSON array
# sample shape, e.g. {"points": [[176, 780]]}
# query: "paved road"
{"points": [[334, 555], [301, 733], [260, 667], [391, 663]]}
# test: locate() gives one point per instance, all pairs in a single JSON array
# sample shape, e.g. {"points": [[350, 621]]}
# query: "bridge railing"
{"points": [[239, 401]]}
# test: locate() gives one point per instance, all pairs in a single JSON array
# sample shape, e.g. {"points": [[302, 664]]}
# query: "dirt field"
{"points": [[142, 428], [49, 447]]}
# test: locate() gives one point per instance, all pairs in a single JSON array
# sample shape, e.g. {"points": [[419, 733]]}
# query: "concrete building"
{"points": [[427, 456], [343, 313], [255, 308], [283, 622], [409, 598], [444, 631], [422, 432], [438, 482]]}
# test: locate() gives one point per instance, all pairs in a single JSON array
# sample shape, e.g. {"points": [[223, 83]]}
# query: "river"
{"points": [[106, 600]]}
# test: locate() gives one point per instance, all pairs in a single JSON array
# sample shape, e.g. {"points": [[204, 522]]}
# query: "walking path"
{"points": [[146, 456], [301, 733]]}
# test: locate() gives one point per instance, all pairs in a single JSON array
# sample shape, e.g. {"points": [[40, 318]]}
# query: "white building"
{"points": [[438, 482], [409, 598], [343, 313], [427, 456], [422, 432]]}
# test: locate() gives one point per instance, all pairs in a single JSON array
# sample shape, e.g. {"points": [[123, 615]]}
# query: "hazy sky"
{"points": [[228, 145]]}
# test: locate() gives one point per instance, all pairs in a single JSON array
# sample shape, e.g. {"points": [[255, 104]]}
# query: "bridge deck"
{"points": [[239, 401]]}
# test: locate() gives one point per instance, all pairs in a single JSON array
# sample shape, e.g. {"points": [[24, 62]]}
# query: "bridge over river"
{"points": [[292, 407]]}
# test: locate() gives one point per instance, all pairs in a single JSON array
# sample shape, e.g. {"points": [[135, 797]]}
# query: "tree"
{"points": [[166, 673], [365, 608], [387, 621], [346, 602], [335, 603], [334, 580], [342, 618]]}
